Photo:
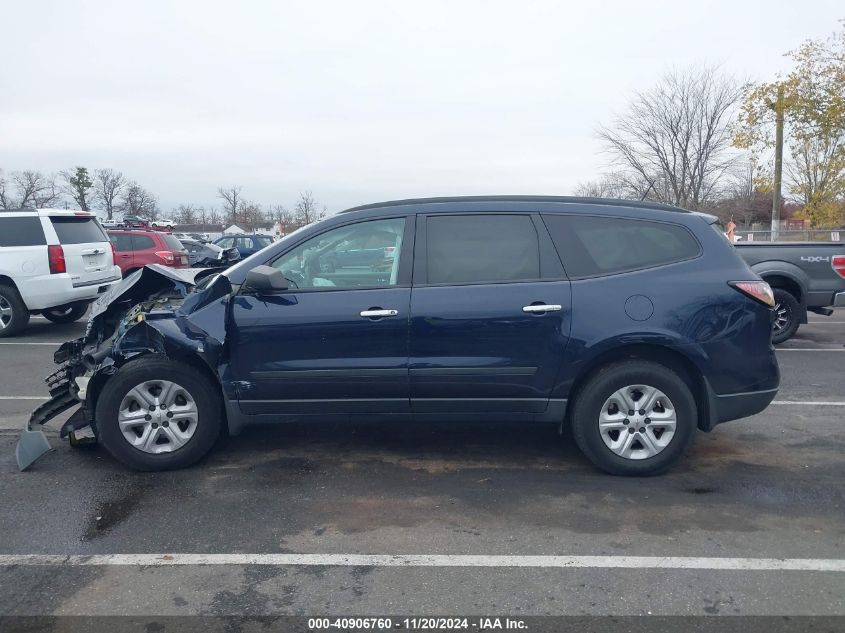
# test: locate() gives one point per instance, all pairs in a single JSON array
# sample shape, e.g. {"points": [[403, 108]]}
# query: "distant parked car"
{"points": [[162, 223], [51, 262], [110, 224], [209, 255], [246, 244], [134, 222], [135, 249]]}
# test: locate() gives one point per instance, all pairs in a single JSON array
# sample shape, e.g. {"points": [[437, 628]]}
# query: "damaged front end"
{"points": [[160, 310]]}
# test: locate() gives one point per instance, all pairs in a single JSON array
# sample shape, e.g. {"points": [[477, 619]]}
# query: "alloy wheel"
{"points": [[158, 416], [637, 422], [5, 312], [781, 317]]}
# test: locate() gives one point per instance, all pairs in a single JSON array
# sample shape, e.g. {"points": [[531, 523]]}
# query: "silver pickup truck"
{"points": [[805, 277]]}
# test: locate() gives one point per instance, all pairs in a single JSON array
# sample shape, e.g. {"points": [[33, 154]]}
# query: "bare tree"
{"points": [[108, 188], [185, 214], [35, 189], [5, 196], [249, 214], [78, 185], [675, 138], [231, 197], [138, 201], [214, 217], [612, 185], [307, 210]]}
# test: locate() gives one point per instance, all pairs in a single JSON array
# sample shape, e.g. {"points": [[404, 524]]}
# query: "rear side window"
{"points": [[263, 240], [481, 248], [590, 246], [122, 242], [142, 242], [172, 243], [21, 232], [78, 230]]}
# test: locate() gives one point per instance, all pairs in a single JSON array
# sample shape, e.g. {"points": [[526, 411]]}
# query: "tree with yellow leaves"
{"points": [[813, 103]]}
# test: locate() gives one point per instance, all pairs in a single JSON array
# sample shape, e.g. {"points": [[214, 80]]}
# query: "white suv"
{"points": [[53, 262]]}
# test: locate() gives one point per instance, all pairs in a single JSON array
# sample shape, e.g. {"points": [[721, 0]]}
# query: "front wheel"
{"points": [[158, 414], [787, 320], [634, 418], [65, 314]]}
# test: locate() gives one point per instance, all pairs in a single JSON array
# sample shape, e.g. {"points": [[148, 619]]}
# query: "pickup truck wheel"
{"points": [[635, 417], [786, 320], [158, 414], [13, 313], [65, 314]]}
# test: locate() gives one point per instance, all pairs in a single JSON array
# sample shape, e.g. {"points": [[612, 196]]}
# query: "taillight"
{"points": [[166, 256], [838, 263], [759, 290], [56, 257]]}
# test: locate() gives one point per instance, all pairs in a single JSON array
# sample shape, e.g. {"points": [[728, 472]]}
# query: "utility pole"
{"points": [[776, 194]]}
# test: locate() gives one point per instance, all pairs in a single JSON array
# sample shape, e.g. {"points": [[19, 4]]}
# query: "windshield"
{"points": [[256, 258]]}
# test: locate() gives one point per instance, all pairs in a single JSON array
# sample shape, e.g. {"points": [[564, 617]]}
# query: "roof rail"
{"points": [[567, 199]]}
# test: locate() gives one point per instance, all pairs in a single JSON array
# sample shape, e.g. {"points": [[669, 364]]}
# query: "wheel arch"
{"points": [[668, 357]]}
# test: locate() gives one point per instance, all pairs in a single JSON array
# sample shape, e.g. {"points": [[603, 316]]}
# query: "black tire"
{"points": [[787, 316], [65, 314], [205, 394], [13, 313], [590, 400]]}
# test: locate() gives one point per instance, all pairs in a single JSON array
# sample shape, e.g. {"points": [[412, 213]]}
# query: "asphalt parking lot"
{"points": [[452, 519]]}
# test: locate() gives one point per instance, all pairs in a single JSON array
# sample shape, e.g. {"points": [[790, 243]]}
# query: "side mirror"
{"points": [[265, 280]]}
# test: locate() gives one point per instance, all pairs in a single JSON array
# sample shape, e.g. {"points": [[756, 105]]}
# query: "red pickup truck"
{"points": [[135, 248]]}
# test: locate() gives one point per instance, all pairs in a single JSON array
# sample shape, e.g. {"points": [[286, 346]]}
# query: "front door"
{"points": [[490, 314], [337, 340]]}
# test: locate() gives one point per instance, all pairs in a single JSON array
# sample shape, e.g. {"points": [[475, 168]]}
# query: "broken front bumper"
{"points": [[32, 443]]}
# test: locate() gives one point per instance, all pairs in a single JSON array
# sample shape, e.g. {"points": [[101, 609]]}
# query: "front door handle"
{"points": [[543, 307], [376, 313]]}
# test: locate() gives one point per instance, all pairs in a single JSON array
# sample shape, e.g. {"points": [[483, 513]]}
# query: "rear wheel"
{"points": [[787, 319], [158, 414], [634, 418], [66, 313], [13, 313]]}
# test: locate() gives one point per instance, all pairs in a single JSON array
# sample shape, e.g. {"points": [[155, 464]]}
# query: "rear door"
{"points": [[490, 314], [88, 254]]}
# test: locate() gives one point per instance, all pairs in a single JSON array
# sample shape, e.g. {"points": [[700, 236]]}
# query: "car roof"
{"points": [[464, 203], [48, 212]]}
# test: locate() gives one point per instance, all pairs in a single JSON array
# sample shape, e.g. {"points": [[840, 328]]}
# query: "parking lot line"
{"points": [[809, 349], [29, 343], [430, 560]]}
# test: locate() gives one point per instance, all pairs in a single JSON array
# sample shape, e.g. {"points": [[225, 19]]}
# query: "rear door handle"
{"points": [[543, 307], [375, 313]]}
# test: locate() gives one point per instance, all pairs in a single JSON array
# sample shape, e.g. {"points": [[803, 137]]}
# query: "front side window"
{"points": [[462, 249], [225, 242], [362, 255], [598, 245]]}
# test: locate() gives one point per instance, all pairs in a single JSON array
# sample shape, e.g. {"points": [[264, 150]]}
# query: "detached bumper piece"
{"points": [[33, 443]]}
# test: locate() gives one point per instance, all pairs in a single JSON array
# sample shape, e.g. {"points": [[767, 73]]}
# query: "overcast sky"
{"points": [[357, 101]]}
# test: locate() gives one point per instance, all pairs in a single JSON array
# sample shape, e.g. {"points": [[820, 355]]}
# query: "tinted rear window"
{"points": [[78, 230], [142, 242], [172, 243], [481, 248], [263, 240], [21, 232], [590, 246]]}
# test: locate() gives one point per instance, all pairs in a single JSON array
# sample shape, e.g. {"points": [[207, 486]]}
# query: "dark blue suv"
{"points": [[635, 324]]}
